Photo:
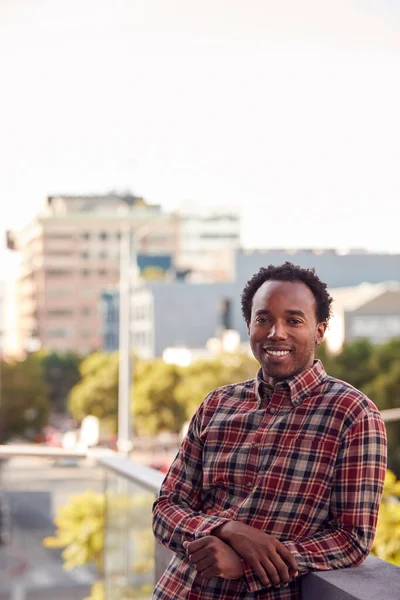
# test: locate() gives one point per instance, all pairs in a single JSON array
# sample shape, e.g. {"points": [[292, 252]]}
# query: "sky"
{"points": [[287, 110]]}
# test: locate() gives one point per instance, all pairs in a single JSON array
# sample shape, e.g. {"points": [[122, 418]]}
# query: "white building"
{"points": [[208, 239], [368, 310]]}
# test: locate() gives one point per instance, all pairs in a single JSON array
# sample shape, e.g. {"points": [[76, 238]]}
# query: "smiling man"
{"points": [[279, 475]]}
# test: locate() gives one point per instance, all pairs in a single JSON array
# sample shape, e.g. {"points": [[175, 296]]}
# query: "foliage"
{"points": [[97, 591], [61, 373], [97, 392], [24, 407], [164, 396], [387, 540], [156, 407], [202, 376], [80, 531]]}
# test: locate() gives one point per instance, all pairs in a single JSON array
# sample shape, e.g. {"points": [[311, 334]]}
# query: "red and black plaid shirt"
{"points": [[304, 462]]}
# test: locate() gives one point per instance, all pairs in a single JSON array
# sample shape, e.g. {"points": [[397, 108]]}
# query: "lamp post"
{"points": [[128, 278]]}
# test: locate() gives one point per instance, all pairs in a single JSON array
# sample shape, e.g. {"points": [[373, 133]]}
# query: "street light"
{"points": [[128, 258]]}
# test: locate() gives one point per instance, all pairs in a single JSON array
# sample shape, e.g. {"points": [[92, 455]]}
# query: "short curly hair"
{"points": [[288, 272]]}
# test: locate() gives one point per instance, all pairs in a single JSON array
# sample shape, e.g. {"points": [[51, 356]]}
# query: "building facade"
{"points": [[378, 319], [70, 254], [170, 315], [208, 240]]}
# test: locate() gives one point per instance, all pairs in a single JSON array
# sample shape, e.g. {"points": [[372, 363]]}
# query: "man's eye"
{"points": [[295, 321], [262, 320]]}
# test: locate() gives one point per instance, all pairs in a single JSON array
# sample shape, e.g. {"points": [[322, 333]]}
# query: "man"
{"points": [[279, 475]]}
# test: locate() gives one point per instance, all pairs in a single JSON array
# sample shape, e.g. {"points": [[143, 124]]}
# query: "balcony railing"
{"points": [[36, 481]]}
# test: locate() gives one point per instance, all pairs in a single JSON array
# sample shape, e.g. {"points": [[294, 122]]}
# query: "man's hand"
{"points": [[267, 556], [213, 558]]}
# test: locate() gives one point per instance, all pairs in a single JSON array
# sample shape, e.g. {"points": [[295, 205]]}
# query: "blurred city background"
{"points": [[154, 155]]}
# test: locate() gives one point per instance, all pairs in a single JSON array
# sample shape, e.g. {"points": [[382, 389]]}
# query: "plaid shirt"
{"points": [[304, 462]]}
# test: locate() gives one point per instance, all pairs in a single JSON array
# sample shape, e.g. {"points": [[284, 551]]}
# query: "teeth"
{"points": [[278, 352]]}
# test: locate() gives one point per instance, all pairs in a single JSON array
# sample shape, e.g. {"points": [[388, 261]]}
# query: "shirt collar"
{"points": [[299, 386]]}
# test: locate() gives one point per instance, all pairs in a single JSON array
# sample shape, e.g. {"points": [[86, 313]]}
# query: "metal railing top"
{"points": [[146, 477], [27, 450], [391, 414], [142, 475]]}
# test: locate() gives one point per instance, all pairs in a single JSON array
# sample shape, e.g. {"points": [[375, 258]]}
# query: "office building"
{"points": [[70, 253]]}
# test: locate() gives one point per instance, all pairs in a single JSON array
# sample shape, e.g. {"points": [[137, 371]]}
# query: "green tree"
{"points": [[202, 376], [355, 363], [97, 391], [61, 373], [24, 409], [155, 404]]}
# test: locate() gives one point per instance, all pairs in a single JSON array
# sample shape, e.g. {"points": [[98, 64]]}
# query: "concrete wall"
{"points": [[373, 580], [187, 314]]}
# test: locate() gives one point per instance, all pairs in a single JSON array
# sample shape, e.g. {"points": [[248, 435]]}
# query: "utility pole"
{"points": [[127, 283], [124, 441]]}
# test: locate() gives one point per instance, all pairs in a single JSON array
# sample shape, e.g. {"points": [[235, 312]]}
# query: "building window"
{"points": [[102, 272], [85, 235], [59, 236], [102, 235], [59, 253], [57, 292], [85, 254], [60, 312], [86, 310], [85, 272], [103, 254], [59, 332], [58, 272], [118, 235]]}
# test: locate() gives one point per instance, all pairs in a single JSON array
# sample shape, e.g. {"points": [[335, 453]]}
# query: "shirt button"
{"points": [[256, 445], [272, 411], [249, 484]]}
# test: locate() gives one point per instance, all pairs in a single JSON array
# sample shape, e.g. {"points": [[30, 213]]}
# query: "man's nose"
{"points": [[277, 332]]}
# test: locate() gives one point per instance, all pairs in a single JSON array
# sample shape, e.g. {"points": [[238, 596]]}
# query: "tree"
{"points": [[202, 376], [24, 409], [61, 373], [155, 404], [97, 391], [355, 363]]}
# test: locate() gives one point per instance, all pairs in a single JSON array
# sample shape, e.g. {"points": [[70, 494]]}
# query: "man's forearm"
{"points": [[174, 524], [331, 548]]}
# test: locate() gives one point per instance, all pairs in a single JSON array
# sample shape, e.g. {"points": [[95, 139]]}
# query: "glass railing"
{"points": [[105, 493], [33, 486], [129, 545]]}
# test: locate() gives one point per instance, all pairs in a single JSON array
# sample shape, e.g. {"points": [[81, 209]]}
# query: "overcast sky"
{"points": [[288, 109]]}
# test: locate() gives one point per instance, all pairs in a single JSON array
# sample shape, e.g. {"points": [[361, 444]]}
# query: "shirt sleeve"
{"points": [[356, 494], [177, 515]]}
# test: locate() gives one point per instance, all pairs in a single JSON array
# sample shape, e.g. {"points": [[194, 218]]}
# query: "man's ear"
{"points": [[321, 328]]}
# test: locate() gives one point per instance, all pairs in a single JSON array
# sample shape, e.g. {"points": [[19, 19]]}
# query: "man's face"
{"points": [[283, 328]]}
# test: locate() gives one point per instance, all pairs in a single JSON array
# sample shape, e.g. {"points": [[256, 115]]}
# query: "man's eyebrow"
{"points": [[293, 313], [296, 313]]}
